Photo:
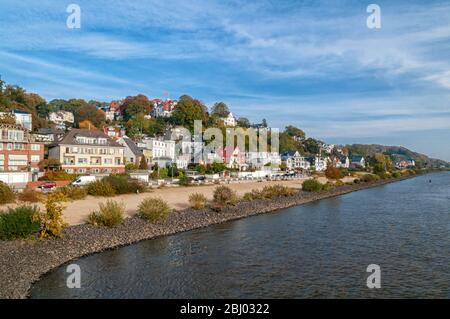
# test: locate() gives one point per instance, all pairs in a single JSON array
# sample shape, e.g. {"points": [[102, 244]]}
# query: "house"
{"points": [[232, 157], [112, 112], [340, 161], [162, 151], [259, 159], [318, 163], [229, 120], [18, 149], [48, 135], [115, 132], [88, 151], [61, 118], [163, 108], [328, 148], [358, 161], [295, 161], [23, 118], [402, 164], [132, 154]]}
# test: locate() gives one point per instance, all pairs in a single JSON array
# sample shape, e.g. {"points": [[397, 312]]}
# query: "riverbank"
{"points": [[24, 262]]}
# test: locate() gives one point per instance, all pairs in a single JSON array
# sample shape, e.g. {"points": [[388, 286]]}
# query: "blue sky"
{"points": [[313, 64]]}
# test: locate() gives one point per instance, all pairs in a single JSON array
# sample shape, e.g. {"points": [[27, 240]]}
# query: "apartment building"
{"points": [[18, 149], [88, 151]]}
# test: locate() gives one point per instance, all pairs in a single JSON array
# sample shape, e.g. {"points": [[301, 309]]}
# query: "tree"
{"points": [[295, 132], [332, 172], [133, 105], [243, 122], [143, 164], [220, 109], [380, 163], [7, 119], [264, 123], [187, 110], [91, 113], [86, 124]]}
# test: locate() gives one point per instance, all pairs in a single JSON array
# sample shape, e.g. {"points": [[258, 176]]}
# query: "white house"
{"points": [[230, 120], [163, 108], [22, 118], [162, 151], [60, 118], [294, 160], [358, 161], [258, 159]]}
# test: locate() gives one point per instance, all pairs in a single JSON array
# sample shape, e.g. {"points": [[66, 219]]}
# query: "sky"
{"points": [[313, 64]]}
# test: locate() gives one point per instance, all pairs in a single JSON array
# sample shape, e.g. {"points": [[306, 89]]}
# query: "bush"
{"points": [[223, 195], [6, 194], [332, 172], [197, 200], [30, 195], [109, 214], [184, 181], [18, 222], [51, 219], [397, 174], [339, 183], [370, 178], [72, 192], [312, 185], [100, 188], [58, 176], [123, 184], [356, 181], [384, 175], [154, 209]]}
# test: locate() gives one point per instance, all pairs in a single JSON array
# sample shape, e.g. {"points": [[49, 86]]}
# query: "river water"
{"points": [[317, 250]]}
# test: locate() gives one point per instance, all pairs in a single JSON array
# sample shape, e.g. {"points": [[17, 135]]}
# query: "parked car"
{"points": [[47, 185], [83, 180]]}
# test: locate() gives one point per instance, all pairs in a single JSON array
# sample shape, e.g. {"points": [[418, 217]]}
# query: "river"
{"points": [[317, 250]]}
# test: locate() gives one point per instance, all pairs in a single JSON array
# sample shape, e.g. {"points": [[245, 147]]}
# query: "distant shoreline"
{"points": [[23, 262]]}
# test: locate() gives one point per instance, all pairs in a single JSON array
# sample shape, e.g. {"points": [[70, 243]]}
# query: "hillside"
{"points": [[396, 152]]}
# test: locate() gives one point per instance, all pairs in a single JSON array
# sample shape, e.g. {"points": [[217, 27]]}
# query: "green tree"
{"points": [[243, 122], [295, 132], [220, 109], [187, 110], [133, 105], [143, 164]]}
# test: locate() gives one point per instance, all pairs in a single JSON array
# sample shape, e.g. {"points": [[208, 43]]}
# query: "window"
{"points": [[35, 158], [18, 146], [10, 146], [1, 146], [35, 147], [108, 161], [102, 141], [82, 160]]}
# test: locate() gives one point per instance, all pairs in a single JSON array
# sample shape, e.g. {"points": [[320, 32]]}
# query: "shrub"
{"points": [[154, 209], [197, 200], [253, 195], [123, 184], [312, 185], [332, 172], [223, 195], [51, 219], [6, 194], [72, 192], [100, 188], [339, 183], [370, 178], [184, 181], [384, 175], [58, 176], [397, 174], [109, 214], [356, 181], [18, 222], [30, 195]]}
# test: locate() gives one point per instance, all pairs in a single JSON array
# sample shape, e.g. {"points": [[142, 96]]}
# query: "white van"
{"points": [[83, 180]]}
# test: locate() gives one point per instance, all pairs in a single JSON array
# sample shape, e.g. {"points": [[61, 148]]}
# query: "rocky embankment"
{"points": [[23, 262]]}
